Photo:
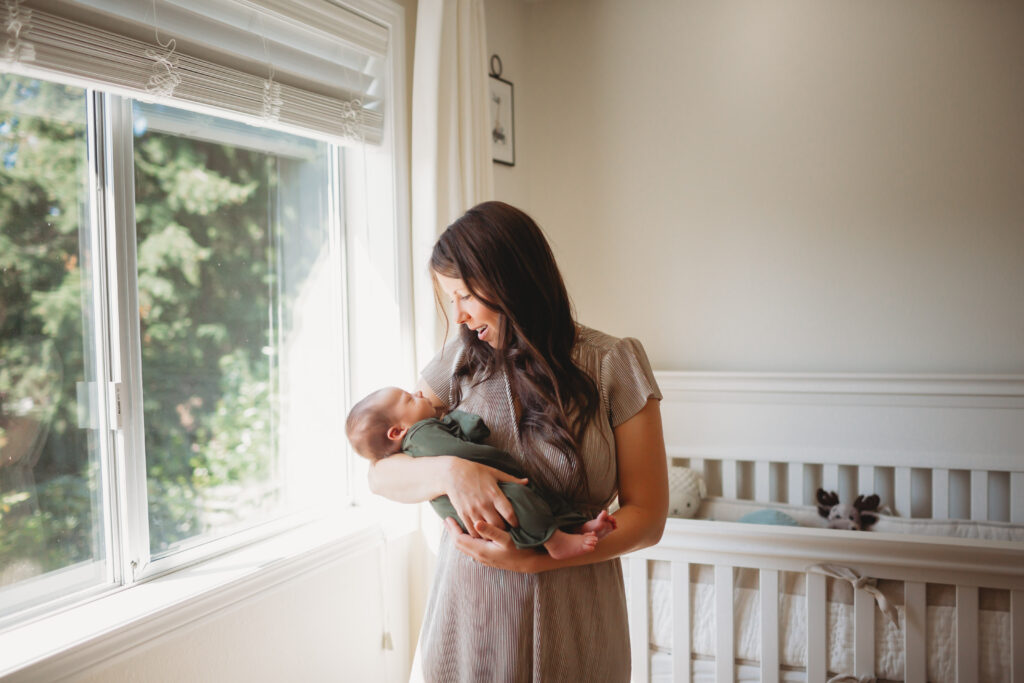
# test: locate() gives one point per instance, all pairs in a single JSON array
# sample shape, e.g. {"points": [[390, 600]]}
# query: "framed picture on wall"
{"points": [[503, 136]]}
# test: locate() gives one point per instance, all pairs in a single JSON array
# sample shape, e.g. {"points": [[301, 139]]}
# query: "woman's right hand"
{"points": [[475, 495]]}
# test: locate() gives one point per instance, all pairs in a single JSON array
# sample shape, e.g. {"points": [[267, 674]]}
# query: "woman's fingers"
{"points": [[505, 476], [468, 519], [476, 496], [453, 526], [492, 515], [493, 534], [495, 549], [505, 509]]}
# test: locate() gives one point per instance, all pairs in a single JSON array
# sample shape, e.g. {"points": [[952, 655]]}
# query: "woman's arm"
{"points": [[471, 487], [643, 496]]}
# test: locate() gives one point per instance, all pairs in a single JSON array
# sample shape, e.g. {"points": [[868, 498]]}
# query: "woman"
{"points": [[579, 410]]}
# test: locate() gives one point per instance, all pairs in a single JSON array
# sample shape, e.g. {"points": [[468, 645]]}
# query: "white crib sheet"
{"points": [[727, 510], [993, 636]]}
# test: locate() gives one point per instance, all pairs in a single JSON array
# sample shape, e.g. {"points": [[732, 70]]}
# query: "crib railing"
{"points": [[949, 447], [937, 493], [967, 565]]}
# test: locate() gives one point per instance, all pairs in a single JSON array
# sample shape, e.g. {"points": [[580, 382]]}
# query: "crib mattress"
{"points": [[727, 510], [993, 622]]}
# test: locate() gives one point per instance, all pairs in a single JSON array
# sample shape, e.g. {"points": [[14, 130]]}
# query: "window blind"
{"points": [[305, 66]]}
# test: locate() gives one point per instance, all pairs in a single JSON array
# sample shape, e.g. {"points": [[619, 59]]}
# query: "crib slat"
{"points": [[639, 637], [940, 494], [698, 465], [914, 615], [966, 634], [1017, 497], [830, 477], [979, 495], [866, 479], [1017, 636], [681, 622], [769, 625], [763, 481], [730, 482], [816, 627], [863, 633], [795, 485], [902, 494], [725, 654]]}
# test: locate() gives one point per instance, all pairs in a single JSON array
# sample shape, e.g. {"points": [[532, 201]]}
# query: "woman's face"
{"points": [[470, 311]]}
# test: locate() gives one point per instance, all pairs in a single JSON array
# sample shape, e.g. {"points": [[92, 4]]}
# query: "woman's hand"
{"points": [[493, 547], [643, 495], [475, 495]]}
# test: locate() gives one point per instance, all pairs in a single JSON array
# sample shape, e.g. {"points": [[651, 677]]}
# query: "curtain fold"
{"points": [[451, 147]]}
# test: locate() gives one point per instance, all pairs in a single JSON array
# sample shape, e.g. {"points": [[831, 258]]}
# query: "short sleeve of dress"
{"points": [[627, 380], [439, 372]]}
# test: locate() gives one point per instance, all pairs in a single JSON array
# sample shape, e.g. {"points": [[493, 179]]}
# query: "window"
{"points": [[51, 521], [186, 275]]}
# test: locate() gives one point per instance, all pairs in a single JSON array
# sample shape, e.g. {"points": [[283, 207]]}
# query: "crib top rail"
{"points": [[933, 559]]}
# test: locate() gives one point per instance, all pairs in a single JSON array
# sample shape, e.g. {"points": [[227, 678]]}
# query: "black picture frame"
{"points": [[502, 110]]}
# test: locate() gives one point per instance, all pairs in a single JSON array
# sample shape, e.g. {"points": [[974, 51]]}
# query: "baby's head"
{"points": [[377, 424]]}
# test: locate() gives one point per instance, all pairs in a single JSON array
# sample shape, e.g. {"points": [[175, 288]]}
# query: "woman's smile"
{"points": [[470, 311]]}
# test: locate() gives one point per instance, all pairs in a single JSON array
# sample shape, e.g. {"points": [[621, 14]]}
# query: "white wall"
{"points": [[324, 625], [800, 185]]}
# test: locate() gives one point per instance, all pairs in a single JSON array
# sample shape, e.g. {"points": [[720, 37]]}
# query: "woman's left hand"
{"points": [[494, 548]]}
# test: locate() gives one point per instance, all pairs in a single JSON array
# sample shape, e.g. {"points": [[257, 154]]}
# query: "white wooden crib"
{"points": [[724, 601]]}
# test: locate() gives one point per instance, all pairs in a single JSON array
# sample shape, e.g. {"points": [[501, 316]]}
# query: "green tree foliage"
{"points": [[45, 515], [206, 280], [206, 288]]}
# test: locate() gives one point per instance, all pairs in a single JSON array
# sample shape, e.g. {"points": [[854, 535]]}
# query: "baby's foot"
{"points": [[602, 525], [562, 546]]}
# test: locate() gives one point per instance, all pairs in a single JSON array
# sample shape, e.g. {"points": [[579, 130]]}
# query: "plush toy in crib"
{"points": [[859, 516], [686, 488]]}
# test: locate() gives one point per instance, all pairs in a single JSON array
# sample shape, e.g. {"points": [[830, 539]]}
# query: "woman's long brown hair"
{"points": [[505, 261]]}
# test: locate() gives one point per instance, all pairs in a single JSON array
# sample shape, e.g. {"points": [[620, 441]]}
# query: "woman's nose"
{"points": [[460, 315]]}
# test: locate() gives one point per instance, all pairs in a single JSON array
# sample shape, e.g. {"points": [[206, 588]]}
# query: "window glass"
{"points": [[51, 519], [239, 311]]}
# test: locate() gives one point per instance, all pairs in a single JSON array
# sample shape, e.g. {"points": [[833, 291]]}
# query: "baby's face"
{"points": [[409, 408]]}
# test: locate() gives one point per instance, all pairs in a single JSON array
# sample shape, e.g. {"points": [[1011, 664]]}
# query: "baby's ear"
{"points": [[396, 433]]}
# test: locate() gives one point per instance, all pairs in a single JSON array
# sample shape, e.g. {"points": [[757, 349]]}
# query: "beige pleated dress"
{"points": [[485, 624]]}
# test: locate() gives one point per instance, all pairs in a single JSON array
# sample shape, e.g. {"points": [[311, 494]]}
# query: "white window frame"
{"points": [[83, 628]]}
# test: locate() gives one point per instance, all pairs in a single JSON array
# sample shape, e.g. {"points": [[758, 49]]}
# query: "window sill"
{"points": [[69, 641]]}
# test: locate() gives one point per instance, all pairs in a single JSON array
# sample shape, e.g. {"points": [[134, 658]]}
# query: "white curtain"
{"points": [[451, 145]]}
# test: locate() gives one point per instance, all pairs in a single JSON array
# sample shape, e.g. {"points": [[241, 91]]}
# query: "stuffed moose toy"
{"points": [[859, 516]]}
